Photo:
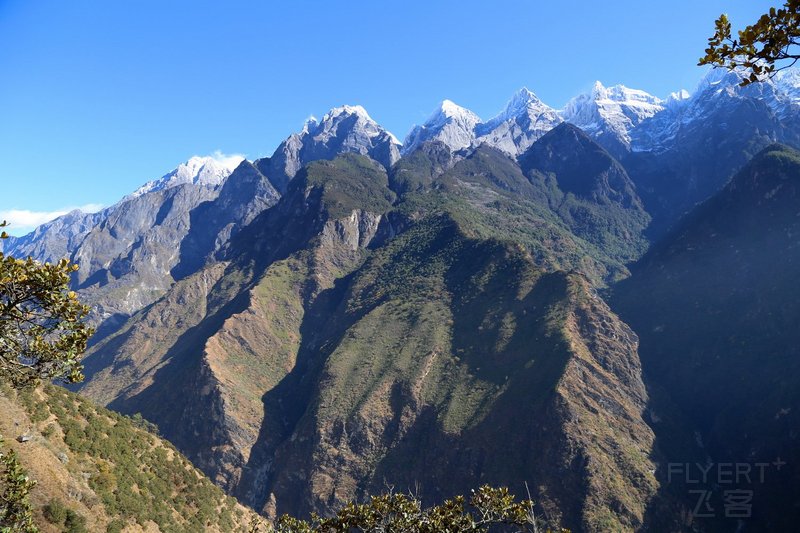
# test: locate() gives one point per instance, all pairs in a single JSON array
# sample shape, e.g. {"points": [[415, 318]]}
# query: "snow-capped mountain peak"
{"points": [[524, 95], [610, 113], [521, 102], [359, 125], [524, 120], [451, 110], [210, 171], [450, 123], [621, 94], [677, 100]]}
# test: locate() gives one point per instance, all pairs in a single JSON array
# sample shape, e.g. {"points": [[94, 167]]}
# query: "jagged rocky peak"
{"points": [[450, 123], [354, 122], [610, 113], [208, 170], [344, 129], [524, 101], [350, 129], [524, 120]]}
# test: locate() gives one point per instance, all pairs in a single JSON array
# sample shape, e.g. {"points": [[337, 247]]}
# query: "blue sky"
{"points": [[98, 97]]}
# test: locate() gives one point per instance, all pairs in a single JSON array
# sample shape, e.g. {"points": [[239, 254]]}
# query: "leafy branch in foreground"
{"points": [[772, 39], [42, 328], [489, 509]]}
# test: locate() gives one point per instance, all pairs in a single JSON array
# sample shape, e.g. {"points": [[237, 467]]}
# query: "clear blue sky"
{"points": [[98, 97]]}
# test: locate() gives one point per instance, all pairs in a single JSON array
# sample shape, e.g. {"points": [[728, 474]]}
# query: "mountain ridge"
{"points": [[315, 314], [783, 91]]}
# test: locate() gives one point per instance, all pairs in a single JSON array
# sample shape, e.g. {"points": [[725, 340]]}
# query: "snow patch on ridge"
{"points": [[346, 110]]}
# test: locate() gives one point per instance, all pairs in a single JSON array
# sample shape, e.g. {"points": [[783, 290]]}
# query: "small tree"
{"points": [[42, 328], [773, 39]]}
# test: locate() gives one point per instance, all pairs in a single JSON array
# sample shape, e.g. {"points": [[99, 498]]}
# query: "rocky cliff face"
{"points": [[243, 196], [132, 256], [137, 240]]}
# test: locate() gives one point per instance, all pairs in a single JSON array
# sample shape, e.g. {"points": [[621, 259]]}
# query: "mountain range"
{"points": [[572, 300]]}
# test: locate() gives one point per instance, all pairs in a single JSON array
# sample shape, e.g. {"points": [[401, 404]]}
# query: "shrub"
{"points": [[16, 515], [48, 431], [489, 508], [75, 523], [55, 512], [115, 526]]}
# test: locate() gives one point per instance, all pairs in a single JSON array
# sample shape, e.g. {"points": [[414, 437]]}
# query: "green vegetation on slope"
{"points": [[589, 191], [350, 182], [96, 465], [490, 197], [437, 341]]}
